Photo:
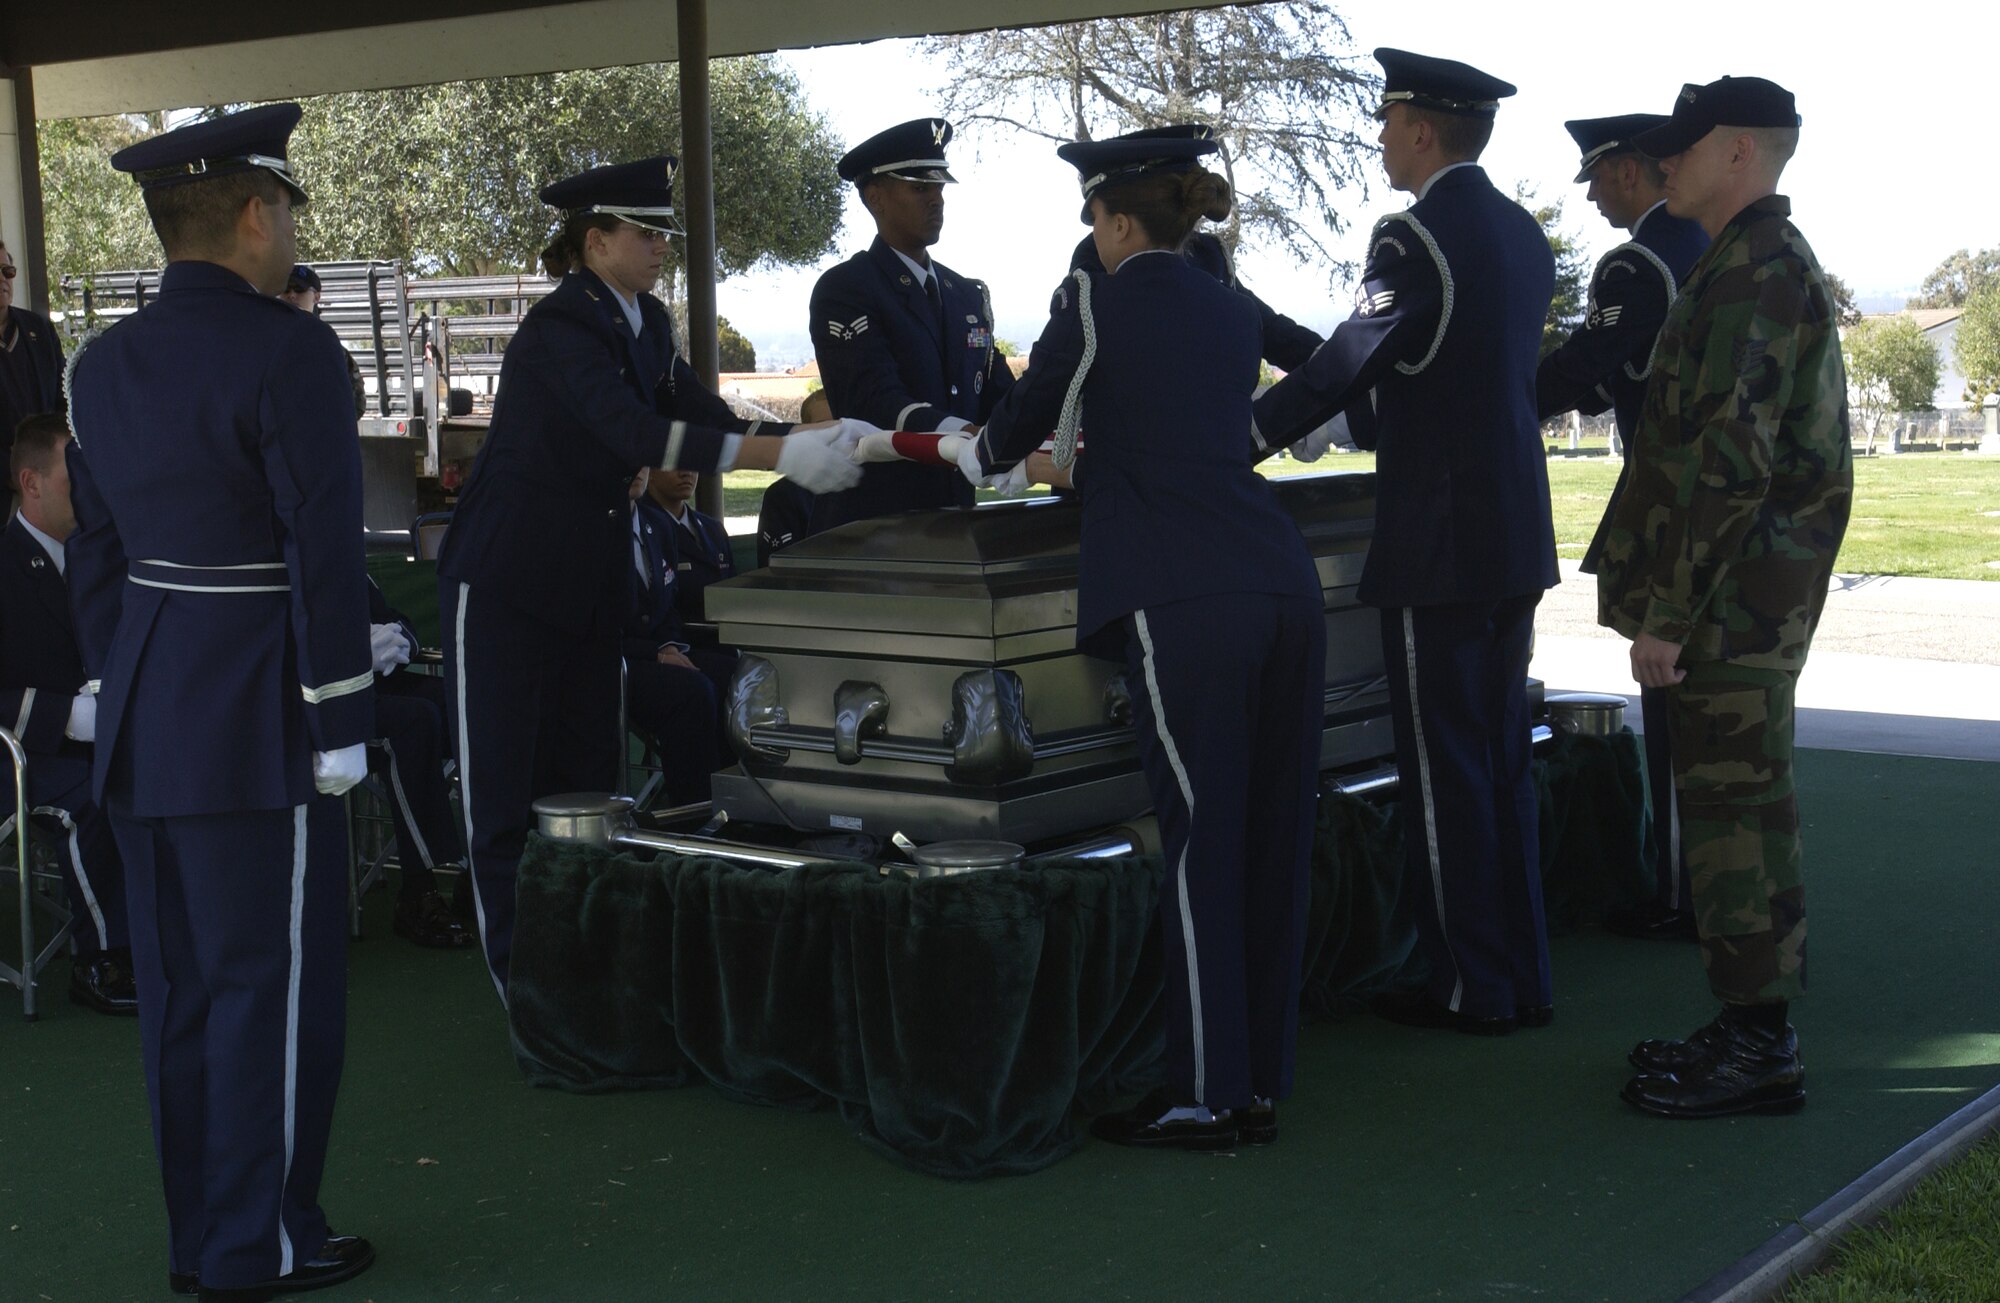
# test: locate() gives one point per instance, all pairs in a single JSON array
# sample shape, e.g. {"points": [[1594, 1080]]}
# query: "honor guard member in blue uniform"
{"points": [[42, 700], [1181, 537], [31, 360], [904, 342], [1604, 365], [1440, 352], [533, 580], [222, 606], [669, 697]]}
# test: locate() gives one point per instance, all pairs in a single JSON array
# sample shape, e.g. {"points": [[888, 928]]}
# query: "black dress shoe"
{"points": [[184, 1282], [1417, 1009], [342, 1257], [1147, 1126], [1534, 1015], [1257, 1124], [1659, 1055], [1747, 1069], [430, 922], [103, 984], [1653, 922]]}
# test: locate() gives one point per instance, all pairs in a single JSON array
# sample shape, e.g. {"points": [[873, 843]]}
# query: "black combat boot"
{"points": [[1746, 1061]]}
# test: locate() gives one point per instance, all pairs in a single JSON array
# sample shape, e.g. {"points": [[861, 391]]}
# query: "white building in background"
{"points": [[1940, 327]]}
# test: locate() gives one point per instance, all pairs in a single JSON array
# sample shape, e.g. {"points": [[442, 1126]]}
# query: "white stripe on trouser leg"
{"points": [[465, 789], [403, 803], [1430, 801], [82, 878], [1187, 795], [296, 934]]}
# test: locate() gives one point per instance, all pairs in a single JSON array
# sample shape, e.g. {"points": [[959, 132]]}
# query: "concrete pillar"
{"points": [[1990, 440], [13, 196]]}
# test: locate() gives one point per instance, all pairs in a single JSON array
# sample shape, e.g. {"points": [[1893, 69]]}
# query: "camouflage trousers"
{"points": [[1731, 731]]}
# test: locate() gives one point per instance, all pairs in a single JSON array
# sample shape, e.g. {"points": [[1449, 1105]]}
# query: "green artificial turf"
{"points": [[1412, 1165]]}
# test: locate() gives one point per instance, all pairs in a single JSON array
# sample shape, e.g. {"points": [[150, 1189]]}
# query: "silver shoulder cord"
{"points": [[1072, 408], [69, 377]]}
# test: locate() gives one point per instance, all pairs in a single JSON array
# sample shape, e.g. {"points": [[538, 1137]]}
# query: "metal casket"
{"points": [[919, 674]]}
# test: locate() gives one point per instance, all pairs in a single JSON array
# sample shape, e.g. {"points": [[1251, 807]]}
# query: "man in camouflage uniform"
{"points": [[1716, 565]]}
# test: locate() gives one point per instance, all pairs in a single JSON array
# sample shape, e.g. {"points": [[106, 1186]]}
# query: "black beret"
{"points": [[911, 150], [302, 277], [1443, 85], [1729, 102], [1599, 137], [236, 142], [641, 193]]}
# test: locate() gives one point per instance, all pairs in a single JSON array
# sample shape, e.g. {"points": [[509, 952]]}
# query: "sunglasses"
{"points": [[9, 270]]}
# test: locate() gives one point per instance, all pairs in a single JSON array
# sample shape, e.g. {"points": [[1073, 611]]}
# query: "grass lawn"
{"points": [[1942, 1242], [1934, 515]]}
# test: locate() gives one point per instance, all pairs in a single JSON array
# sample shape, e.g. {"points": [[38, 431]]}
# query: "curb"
{"points": [[1809, 1241]]}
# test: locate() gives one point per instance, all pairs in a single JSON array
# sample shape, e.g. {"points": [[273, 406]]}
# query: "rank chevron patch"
{"points": [[848, 330]]}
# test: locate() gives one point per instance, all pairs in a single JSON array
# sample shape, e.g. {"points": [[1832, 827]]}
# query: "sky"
{"points": [[1893, 172]]}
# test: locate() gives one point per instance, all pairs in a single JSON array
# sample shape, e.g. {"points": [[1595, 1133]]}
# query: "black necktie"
{"points": [[936, 297]]}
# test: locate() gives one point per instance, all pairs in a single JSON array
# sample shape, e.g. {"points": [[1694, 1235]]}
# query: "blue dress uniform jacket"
{"points": [[216, 574], [886, 358], [582, 407], [31, 374], [220, 596], [1191, 573], [1446, 329], [1287, 344], [700, 553], [1169, 511], [41, 672], [1606, 360]]}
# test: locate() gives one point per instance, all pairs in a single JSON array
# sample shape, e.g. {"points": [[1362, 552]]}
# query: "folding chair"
{"points": [[28, 874]]}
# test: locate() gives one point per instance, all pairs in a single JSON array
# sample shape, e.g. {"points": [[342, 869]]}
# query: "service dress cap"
{"points": [[1101, 163], [641, 193], [1727, 102], [236, 142], [1602, 137], [911, 150], [1441, 85]]}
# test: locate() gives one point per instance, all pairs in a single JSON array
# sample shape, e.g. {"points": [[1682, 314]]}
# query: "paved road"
{"points": [[1907, 666]]}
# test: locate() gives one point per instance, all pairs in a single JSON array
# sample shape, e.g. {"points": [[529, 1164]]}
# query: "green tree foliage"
{"points": [[445, 177], [1955, 280], [737, 353], [1976, 347], [1282, 85], [1572, 296], [95, 221], [1892, 366]]}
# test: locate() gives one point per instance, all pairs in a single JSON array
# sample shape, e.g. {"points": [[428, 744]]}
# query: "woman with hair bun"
{"points": [[1192, 574]]}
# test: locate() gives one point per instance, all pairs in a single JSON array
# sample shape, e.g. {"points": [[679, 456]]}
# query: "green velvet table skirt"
{"points": [[960, 1024]]}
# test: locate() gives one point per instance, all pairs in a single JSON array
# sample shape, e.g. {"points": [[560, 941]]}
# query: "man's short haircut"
{"points": [[1462, 138], [38, 443], [199, 217], [1776, 144]]}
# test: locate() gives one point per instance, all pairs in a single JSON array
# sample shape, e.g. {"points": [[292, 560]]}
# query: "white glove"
{"points": [[1014, 484], [876, 447], [819, 461], [336, 771], [1314, 445], [82, 724], [967, 457], [391, 647]]}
